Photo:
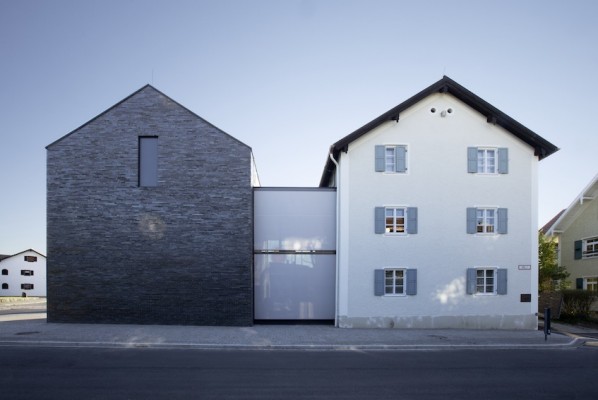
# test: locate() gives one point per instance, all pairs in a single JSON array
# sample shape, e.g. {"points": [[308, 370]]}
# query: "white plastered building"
{"points": [[437, 216], [23, 274]]}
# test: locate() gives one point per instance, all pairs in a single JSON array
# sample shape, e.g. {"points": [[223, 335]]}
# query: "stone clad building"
{"points": [[143, 225]]}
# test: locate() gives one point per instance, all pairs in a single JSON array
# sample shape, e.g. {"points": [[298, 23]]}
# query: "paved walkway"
{"points": [[25, 324]]}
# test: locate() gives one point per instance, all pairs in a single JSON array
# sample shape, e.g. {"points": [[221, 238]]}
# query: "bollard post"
{"points": [[546, 323]]}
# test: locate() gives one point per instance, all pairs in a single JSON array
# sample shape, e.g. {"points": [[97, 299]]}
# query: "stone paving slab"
{"points": [[32, 330], [23, 322]]}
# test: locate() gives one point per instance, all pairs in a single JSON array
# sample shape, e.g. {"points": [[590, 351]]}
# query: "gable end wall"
{"points": [[177, 253]]}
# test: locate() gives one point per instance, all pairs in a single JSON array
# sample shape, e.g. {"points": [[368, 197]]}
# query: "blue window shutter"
{"points": [[379, 282], [579, 283], [401, 161], [471, 219], [501, 281], [578, 244], [472, 160], [412, 220], [380, 162], [503, 160], [379, 222], [471, 281], [502, 221], [411, 282]]}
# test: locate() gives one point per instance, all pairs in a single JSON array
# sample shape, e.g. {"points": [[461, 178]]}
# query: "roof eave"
{"points": [[542, 147]]}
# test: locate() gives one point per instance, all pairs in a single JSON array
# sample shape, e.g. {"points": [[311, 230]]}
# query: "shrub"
{"points": [[577, 303]]}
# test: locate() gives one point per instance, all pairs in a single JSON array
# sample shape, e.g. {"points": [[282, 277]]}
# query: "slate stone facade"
{"points": [[176, 253]]}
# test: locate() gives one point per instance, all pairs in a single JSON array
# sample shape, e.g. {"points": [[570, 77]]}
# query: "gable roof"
{"points": [[147, 86], [542, 147], [570, 214], [549, 224], [4, 256]]}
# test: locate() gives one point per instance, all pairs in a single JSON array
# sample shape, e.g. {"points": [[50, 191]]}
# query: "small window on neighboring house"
{"points": [[395, 220], [30, 258], [591, 283], [5, 286], [148, 161], [395, 281], [586, 248], [391, 159], [486, 280], [487, 160], [4, 272], [27, 286], [487, 220], [26, 272]]}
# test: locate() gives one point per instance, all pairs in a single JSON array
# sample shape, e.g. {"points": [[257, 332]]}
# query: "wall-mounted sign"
{"points": [[524, 267], [526, 297]]}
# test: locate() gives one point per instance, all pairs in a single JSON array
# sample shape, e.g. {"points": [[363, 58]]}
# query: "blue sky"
{"points": [[289, 78]]}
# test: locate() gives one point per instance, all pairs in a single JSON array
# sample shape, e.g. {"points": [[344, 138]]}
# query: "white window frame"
{"points": [[487, 228], [593, 286], [394, 217], [483, 158], [589, 247], [484, 284], [390, 158], [394, 281]]}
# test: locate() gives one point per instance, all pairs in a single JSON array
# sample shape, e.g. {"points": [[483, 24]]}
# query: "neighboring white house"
{"points": [[576, 230], [437, 216], [23, 274]]}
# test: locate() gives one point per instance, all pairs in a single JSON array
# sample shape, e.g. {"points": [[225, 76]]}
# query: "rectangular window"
{"points": [[27, 286], [485, 220], [391, 159], [395, 220], [485, 281], [30, 258], [26, 272], [394, 281], [590, 248], [592, 284], [486, 161], [148, 161]]}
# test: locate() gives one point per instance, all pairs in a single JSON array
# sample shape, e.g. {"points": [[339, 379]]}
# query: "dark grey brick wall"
{"points": [[178, 253]]}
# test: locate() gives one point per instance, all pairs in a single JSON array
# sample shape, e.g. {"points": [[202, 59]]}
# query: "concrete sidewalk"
{"points": [[27, 326]]}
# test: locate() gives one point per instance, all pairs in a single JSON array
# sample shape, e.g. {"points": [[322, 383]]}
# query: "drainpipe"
{"points": [[338, 236]]}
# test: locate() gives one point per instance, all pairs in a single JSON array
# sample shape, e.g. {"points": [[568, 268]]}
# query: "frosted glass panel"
{"points": [[292, 219], [294, 286]]}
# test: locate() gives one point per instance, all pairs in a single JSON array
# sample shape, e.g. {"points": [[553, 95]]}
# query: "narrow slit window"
{"points": [[148, 161]]}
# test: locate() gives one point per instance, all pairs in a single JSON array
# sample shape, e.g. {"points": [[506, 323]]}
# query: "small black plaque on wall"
{"points": [[526, 298]]}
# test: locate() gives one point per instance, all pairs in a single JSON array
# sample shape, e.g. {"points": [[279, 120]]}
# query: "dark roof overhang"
{"points": [[542, 147]]}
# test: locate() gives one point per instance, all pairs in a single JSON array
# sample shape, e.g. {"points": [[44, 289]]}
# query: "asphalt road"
{"points": [[84, 373]]}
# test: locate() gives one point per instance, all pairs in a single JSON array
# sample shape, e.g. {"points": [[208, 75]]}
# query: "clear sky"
{"points": [[289, 78]]}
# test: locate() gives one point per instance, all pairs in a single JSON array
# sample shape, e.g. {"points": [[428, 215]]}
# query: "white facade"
{"points": [[23, 274], [436, 132]]}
